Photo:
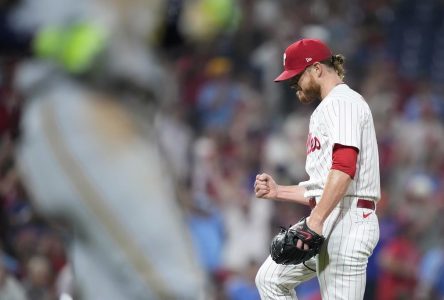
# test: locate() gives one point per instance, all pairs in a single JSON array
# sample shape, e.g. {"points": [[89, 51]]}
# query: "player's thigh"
{"points": [[275, 279], [344, 257]]}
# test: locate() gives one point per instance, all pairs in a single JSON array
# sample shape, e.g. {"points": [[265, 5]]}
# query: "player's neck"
{"points": [[329, 84]]}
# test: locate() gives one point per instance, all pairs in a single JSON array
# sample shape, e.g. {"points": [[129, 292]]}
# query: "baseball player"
{"points": [[343, 186], [90, 156]]}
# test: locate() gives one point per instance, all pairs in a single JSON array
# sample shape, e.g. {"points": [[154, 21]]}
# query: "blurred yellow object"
{"points": [[218, 66], [205, 19], [74, 47], [217, 12]]}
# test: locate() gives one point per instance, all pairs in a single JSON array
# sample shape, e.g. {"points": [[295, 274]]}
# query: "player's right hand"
{"points": [[265, 186]]}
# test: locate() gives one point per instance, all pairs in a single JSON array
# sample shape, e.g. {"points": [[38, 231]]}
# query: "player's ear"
{"points": [[317, 67]]}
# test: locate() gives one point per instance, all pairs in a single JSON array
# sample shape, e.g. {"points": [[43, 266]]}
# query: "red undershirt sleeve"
{"points": [[344, 159]]}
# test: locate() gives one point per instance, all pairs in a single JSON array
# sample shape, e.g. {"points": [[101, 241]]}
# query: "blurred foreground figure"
{"points": [[90, 157], [85, 159]]}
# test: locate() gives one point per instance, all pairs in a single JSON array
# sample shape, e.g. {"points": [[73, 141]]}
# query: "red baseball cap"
{"points": [[302, 54]]}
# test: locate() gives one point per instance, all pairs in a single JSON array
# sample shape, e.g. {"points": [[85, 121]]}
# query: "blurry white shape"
{"points": [[316, 32], [175, 138], [204, 148], [32, 73], [420, 185], [284, 149], [132, 60], [98, 170], [31, 15], [266, 13], [276, 150], [87, 159], [64, 282], [252, 242], [65, 297]]}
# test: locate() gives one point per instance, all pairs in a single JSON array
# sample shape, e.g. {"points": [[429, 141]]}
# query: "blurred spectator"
{"points": [[38, 279], [388, 227], [247, 223], [418, 145], [431, 282], [204, 203], [282, 151], [207, 231], [10, 110], [420, 208], [425, 102], [10, 287], [399, 261], [218, 98]]}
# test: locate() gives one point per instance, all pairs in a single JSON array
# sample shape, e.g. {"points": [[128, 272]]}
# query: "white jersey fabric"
{"points": [[343, 117]]}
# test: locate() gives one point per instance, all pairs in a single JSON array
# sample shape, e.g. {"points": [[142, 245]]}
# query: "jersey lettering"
{"points": [[313, 143]]}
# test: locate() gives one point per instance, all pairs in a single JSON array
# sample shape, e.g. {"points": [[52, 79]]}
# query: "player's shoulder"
{"points": [[344, 95]]}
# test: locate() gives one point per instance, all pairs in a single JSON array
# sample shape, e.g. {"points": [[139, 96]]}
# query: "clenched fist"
{"points": [[265, 186]]}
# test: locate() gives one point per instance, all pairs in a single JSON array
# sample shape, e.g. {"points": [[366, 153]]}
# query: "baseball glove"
{"points": [[283, 248]]}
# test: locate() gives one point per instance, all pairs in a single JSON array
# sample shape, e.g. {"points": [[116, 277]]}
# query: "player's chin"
{"points": [[303, 98]]}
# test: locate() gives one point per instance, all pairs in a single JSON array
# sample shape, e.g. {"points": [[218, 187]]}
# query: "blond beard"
{"points": [[311, 93]]}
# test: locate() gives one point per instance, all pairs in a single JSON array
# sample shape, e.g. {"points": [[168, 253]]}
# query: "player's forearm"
{"points": [[335, 188], [291, 193]]}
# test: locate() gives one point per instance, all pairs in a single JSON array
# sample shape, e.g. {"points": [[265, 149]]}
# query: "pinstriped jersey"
{"points": [[343, 117]]}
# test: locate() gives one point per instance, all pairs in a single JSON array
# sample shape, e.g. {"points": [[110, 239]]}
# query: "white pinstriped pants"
{"points": [[351, 235]]}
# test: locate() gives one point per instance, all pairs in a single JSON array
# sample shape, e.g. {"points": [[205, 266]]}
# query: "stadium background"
{"points": [[224, 120]]}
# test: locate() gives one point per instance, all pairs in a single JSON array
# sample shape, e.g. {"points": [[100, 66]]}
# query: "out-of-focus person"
{"points": [[90, 155], [10, 287], [38, 279], [431, 271], [398, 262]]}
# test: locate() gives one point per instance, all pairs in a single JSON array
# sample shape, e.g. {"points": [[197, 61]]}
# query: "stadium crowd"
{"points": [[225, 120]]}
